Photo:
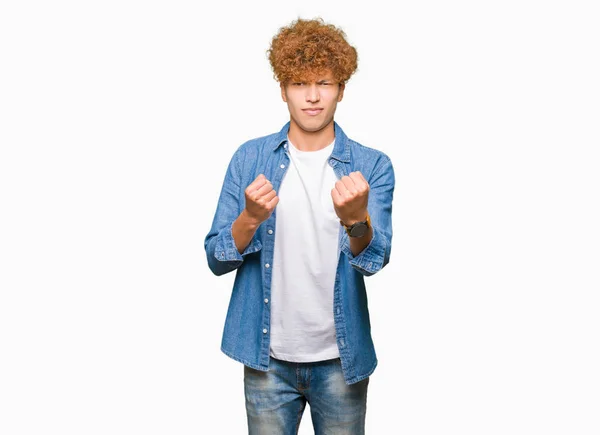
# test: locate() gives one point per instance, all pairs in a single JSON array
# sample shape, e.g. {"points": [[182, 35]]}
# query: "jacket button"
{"points": [[270, 231], [267, 265], [282, 166], [266, 301], [265, 331]]}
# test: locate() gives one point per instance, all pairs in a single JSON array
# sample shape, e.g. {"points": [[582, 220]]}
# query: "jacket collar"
{"points": [[341, 148]]}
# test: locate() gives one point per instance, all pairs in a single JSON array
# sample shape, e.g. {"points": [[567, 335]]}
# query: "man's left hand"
{"points": [[350, 198]]}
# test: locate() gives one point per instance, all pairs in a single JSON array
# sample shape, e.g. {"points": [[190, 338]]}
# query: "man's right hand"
{"points": [[261, 199]]}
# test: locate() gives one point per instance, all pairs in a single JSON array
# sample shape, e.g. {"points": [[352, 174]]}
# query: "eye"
{"points": [[297, 84]]}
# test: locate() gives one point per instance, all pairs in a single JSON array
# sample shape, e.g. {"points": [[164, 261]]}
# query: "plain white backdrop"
{"points": [[118, 120]]}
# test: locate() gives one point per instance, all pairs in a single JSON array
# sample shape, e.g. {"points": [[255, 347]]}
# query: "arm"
{"points": [[376, 254], [357, 244], [231, 236], [243, 229]]}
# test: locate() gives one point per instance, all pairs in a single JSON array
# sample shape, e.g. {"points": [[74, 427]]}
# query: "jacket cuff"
{"points": [[225, 249], [370, 260]]}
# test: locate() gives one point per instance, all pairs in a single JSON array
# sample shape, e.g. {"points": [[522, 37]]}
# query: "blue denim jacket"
{"points": [[246, 335]]}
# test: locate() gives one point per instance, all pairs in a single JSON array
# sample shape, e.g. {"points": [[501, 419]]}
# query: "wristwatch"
{"points": [[358, 229]]}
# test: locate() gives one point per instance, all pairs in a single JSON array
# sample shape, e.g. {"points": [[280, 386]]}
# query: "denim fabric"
{"points": [[246, 332], [275, 400]]}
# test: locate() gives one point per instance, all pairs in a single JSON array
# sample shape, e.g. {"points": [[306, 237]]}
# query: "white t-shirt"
{"points": [[305, 260]]}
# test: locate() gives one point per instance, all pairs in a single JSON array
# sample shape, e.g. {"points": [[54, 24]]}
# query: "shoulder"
{"points": [[361, 150], [369, 160], [251, 157], [256, 146]]}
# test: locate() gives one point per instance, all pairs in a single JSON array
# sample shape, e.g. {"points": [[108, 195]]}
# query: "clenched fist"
{"points": [[350, 198], [261, 199]]}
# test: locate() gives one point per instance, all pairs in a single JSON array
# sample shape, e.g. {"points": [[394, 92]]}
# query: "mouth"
{"points": [[312, 112]]}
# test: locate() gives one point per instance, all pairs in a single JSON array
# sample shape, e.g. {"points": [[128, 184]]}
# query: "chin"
{"points": [[312, 126]]}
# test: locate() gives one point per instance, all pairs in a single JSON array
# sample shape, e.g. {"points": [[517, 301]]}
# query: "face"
{"points": [[312, 104]]}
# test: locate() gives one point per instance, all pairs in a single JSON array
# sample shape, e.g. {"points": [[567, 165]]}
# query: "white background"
{"points": [[118, 120]]}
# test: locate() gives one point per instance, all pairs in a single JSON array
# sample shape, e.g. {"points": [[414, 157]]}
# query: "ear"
{"points": [[341, 92], [283, 96]]}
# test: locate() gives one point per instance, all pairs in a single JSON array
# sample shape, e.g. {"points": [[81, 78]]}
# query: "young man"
{"points": [[303, 216]]}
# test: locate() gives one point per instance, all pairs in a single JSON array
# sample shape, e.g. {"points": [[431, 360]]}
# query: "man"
{"points": [[303, 216]]}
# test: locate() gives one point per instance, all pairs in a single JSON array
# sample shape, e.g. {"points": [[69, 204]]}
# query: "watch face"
{"points": [[358, 230]]}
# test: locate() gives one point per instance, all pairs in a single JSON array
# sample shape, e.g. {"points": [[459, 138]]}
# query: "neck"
{"points": [[311, 140]]}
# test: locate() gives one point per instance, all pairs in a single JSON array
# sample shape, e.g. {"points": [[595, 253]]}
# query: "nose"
{"points": [[312, 93]]}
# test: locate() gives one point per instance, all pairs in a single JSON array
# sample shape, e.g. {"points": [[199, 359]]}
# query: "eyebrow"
{"points": [[317, 81]]}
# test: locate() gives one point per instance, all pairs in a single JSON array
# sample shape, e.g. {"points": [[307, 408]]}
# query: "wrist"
{"points": [[249, 221], [357, 228], [362, 217]]}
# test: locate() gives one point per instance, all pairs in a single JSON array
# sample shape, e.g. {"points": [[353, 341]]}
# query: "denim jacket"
{"points": [[246, 335]]}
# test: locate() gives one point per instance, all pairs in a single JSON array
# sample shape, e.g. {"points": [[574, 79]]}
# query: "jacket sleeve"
{"points": [[376, 254], [221, 253]]}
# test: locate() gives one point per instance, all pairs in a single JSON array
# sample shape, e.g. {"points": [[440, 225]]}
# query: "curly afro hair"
{"points": [[307, 48]]}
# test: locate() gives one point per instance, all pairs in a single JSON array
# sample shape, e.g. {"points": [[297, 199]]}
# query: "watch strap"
{"points": [[367, 221]]}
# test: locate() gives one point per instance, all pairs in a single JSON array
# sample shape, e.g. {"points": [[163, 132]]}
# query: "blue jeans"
{"points": [[275, 400]]}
